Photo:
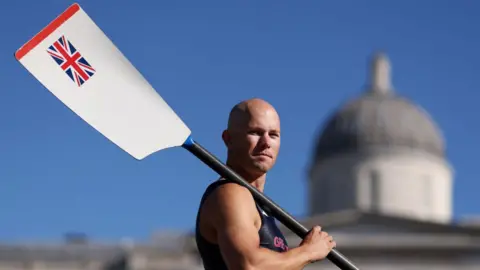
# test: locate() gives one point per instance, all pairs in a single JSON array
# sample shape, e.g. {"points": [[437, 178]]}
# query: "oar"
{"points": [[82, 67]]}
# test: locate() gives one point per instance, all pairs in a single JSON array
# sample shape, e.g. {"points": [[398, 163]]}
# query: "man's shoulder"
{"points": [[230, 191], [225, 196], [230, 203]]}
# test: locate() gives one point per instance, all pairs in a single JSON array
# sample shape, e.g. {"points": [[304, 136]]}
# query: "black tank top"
{"points": [[270, 235]]}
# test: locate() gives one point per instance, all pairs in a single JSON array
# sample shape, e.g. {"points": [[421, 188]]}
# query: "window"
{"points": [[374, 191]]}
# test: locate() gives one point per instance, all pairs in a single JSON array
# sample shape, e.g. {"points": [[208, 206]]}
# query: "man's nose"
{"points": [[265, 141]]}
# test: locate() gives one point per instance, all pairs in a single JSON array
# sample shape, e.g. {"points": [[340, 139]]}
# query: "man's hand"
{"points": [[317, 244]]}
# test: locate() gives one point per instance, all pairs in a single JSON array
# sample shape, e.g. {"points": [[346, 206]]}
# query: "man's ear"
{"points": [[226, 138]]}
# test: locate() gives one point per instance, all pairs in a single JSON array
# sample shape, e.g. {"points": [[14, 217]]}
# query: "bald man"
{"points": [[232, 230]]}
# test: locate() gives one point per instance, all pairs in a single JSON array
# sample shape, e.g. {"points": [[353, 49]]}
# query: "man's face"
{"points": [[255, 142]]}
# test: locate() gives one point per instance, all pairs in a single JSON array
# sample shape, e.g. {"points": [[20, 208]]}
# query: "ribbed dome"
{"points": [[379, 117]]}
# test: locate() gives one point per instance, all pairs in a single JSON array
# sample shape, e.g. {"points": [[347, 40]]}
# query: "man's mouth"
{"points": [[264, 155]]}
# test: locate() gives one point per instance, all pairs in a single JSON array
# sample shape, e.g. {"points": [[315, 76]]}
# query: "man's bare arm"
{"points": [[237, 236]]}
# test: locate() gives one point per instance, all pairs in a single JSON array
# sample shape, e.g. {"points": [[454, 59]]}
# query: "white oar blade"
{"points": [[80, 65]]}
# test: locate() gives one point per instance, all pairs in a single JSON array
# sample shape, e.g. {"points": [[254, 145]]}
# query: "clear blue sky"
{"points": [[305, 57]]}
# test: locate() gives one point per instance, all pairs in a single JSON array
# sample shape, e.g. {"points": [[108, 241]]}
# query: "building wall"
{"points": [[391, 181], [471, 262]]}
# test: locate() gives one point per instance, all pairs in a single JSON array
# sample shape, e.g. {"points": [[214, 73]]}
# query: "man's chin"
{"points": [[262, 166]]}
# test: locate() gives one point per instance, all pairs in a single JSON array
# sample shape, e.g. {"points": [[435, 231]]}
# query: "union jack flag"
{"points": [[71, 61]]}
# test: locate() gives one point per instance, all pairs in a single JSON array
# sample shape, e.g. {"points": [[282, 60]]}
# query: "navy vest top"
{"points": [[270, 235]]}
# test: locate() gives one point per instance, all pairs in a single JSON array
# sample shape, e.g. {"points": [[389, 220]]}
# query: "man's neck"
{"points": [[257, 181]]}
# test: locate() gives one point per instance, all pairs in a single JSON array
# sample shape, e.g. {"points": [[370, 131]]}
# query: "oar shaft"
{"points": [[285, 218]]}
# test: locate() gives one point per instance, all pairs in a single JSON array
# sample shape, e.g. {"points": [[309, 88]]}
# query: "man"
{"points": [[232, 231]]}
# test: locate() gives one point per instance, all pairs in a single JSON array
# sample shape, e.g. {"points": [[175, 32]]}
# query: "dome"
{"points": [[379, 118]]}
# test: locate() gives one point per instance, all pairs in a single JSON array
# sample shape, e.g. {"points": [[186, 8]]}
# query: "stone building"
{"points": [[379, 182], [168, 251]]}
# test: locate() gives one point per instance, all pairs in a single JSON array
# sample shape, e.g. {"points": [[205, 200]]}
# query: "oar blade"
{"points": [[82, 67]]}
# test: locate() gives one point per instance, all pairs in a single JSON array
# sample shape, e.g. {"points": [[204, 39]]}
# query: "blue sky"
{"points": [[305, 57]]}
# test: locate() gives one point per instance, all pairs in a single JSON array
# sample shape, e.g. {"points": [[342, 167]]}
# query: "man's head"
{"points": [[253, 136]]}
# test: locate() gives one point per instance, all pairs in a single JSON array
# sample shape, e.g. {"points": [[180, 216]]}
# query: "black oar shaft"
{"points": [[285, 218]]}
